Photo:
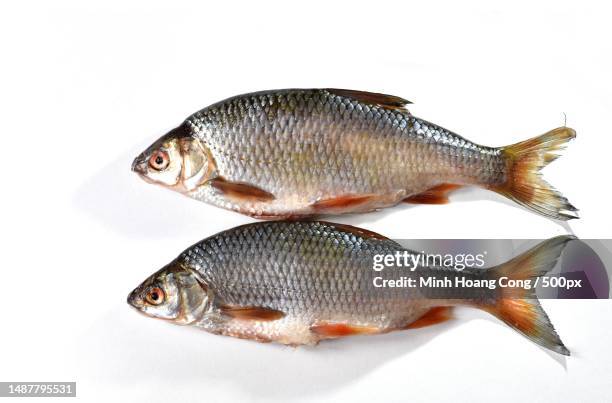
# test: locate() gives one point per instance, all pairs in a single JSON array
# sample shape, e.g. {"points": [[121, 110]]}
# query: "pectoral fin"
{"points": [[240, 191], [436, 195], [331, 330], [251, 313]]}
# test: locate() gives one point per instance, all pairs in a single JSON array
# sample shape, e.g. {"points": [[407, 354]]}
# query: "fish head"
{"points": [[175, 293], [178, 160]]}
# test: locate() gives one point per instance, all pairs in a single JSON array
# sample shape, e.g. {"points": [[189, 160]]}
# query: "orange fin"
{"points": [[373, 98], [251, 312], [435, 195], [237, 190], [332, 330], [525, 185], [528, 318], [519, 307], [434, 316], [342, 204]]}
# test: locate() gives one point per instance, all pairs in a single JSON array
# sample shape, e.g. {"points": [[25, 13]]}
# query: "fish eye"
{"points": [[159, 160], [155, 296]]}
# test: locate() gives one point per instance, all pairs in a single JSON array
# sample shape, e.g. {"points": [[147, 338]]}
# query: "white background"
{"points": [[85, 87]]}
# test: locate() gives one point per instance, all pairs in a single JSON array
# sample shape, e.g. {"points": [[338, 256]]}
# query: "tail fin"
{"points": [[518, 307], [525, 184]]}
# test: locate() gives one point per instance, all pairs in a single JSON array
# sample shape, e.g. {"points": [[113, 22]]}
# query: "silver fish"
{"points": [[305, 152], [301, 282]]}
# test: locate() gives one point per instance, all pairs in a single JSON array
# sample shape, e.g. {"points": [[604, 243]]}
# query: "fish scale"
{"points": [[361, 149], [308, 152], [298, 282], [329, 271]]}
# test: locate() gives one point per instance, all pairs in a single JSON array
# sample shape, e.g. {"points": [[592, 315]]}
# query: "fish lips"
{"points": [[135, 300], [139, 165]]}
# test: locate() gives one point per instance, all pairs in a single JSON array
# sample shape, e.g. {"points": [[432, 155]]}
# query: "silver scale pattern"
{"points": [[307, 145]]}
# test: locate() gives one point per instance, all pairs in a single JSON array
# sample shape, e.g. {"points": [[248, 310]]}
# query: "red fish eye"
{"points": [[155, 296], [159, 160]]}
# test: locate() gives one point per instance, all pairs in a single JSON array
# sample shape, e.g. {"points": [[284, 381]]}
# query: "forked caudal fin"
{"points": [[524, 182], [519, 307]]}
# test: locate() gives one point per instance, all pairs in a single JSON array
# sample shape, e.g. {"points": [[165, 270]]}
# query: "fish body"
{"points": [[305, 152], [298, 283]]}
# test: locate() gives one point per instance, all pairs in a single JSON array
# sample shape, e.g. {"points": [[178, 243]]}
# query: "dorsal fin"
{"points": [[373, 98], [360, 232]]}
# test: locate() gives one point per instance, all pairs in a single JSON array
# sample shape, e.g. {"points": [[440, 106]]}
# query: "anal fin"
{"points": [[435, 195], [434, 316], [331, 330]]}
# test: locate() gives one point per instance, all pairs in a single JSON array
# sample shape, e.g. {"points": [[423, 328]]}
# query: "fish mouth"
{"points": [[134, 299], [138, 165]]}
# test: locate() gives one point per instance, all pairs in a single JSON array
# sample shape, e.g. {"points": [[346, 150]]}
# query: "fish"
{"points": [[300, 153], [300, 282]]}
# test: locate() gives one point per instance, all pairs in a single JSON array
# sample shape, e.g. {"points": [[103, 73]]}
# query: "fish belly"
{"points": [[297, 331]]}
